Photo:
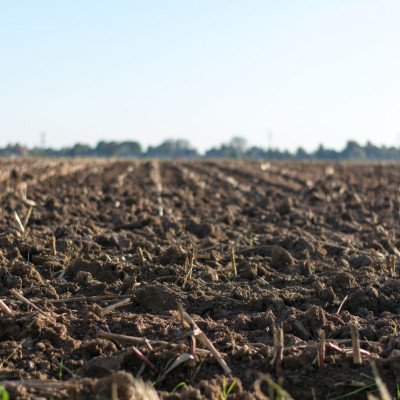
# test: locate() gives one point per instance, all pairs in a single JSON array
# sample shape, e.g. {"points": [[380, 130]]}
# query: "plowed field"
{"points": [[183, 272]]}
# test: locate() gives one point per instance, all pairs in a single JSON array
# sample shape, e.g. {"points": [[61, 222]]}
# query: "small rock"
{"points": [[281, 257], [300, 330], [360, 261], [285, 206], [101, 366], [250, 270]]}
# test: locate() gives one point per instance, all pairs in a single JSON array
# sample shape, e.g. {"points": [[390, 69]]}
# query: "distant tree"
{"points": [[236, 148], [301, 154], [106, 149], [256, 153], [129, 149], [353, 151], [172, 149], [81, 150]]}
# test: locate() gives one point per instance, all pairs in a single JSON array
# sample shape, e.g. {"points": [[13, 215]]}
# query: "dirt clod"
{"points": [[113, 247]]}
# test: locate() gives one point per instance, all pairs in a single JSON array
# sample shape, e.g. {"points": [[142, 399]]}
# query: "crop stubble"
{"points": [[182, 271]]}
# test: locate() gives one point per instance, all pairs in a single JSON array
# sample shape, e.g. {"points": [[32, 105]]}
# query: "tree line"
{"points": [[236, 148]]}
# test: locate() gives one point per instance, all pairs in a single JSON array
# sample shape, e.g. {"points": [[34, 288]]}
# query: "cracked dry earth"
{"points": [[248, 249]]}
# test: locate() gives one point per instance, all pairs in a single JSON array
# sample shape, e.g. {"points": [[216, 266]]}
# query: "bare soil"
{"points": [[244, 247]]}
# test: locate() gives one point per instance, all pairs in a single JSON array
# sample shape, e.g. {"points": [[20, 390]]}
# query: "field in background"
{"points": [[219, 274]]}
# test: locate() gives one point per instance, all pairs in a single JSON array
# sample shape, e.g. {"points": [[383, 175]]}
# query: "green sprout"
{"points": [[60, 372], [4, 395], [360, 389], [179, 385], [226, 392]]}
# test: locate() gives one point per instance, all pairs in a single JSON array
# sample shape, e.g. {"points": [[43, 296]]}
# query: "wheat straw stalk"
{"points": [[321, 349], [27, 216], [233, 261], [129, 339], [383, 391], [114, 391], [142, 341], [18, 219], [341, 304], [200, 335], [5, 308], [356, 345], [20, 296], [142, 260], [279, 355], [91, 298], [392, 266], [53, 245], [112, 307]]}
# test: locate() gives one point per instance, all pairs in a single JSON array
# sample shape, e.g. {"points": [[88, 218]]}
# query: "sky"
{"points": [[278, 73]]}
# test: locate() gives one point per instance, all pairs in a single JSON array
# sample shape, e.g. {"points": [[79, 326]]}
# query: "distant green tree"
{"points": [[353, 151], [129, 149], [301, 154], [81, 150], [172, 149], [106, 149]]}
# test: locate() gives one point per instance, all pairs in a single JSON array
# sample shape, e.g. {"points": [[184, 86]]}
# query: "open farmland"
{"points": [[93, 249]]}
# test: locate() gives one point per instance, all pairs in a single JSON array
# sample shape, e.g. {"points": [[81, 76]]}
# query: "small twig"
{"points": [[41, 384], [341, 304], [233, 261], [92, 298], [148, 344], [356, 345], [280, 392], [203, 244], [390, 265], [29, 202], [20, 296], [367, 342], [321, 349], [143, 341], [20, 225], [200, 335], [338, 246], [114, 391], [336, 348], [12, 353], [52, 244], [144, 359], [112, 307], [65, 368], [189, 334], [5, 308], [142, 260], [383, 391], [129, 339], [278, 349], [190, 264], [27, 216]]}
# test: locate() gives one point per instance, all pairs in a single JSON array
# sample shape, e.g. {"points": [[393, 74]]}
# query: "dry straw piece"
{"points": [[21, 297], [233, 261], [321, 349], [20, 224], [5, 308], [112, 307], [184, 318], [356, 345]]}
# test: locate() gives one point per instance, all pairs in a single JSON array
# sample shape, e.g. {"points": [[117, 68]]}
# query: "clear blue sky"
{"points": [[311, 71]]}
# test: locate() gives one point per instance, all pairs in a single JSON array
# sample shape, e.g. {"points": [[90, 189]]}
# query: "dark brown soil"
{"points": [[307, 238]]}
